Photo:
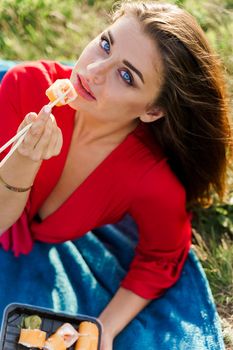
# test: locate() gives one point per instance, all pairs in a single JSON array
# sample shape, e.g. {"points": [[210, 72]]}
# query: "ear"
{"points": [[152, 115]]}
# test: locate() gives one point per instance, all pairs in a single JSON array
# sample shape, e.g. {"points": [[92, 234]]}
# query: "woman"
{"points": [[147, 135]]}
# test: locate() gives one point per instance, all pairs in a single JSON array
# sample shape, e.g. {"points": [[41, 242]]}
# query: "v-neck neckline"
{"points": [[106, 159], [92, 174]]}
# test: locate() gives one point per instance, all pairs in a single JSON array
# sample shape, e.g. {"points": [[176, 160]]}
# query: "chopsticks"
{"points": [[19, 137]]}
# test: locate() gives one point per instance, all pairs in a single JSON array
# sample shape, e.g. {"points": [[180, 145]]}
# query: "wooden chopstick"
{"points": [[20, 140], [13, 139]]}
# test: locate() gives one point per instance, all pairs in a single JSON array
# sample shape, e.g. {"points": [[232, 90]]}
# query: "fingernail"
{"points": [[47, 109], [30, 117], [52, 117]]}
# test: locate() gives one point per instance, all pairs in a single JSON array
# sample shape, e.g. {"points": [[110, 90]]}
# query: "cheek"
{"points": [[120, 98], [125, 98], [136, 103], [87, 56], [121, 104], [134, 108]]}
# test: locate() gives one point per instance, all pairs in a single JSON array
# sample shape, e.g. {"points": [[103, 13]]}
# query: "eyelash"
{"points": [[131, 83]]}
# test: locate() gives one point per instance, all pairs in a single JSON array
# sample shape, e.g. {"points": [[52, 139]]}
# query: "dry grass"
{"points": [[219, 270]]}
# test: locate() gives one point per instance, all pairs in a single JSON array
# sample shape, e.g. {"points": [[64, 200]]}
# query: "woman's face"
{"points": [[123, 71]]}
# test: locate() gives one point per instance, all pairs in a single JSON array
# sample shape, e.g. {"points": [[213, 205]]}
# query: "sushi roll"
{"points": [[83, 343], [55, 342], [63, 90], [68, 333], [32, 338], [30, 334], [88, 336], [63, 338]]}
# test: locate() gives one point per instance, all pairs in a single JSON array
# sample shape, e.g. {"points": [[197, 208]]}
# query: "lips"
{"points": [[83, 88]]}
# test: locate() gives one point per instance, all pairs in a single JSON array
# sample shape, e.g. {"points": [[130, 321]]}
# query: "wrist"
{"points": [[19, 171], [25, 159], [14, 188], [108, 326]]}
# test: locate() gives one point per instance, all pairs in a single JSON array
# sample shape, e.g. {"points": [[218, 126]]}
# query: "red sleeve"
{"points": [[158, 207], [10, 112], [23, 90]]}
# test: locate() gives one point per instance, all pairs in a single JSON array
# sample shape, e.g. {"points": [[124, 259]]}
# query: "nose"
{"points": [[97, 71]]}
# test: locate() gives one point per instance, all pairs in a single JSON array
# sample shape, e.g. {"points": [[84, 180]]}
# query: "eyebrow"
{"points": [[127, 63]]}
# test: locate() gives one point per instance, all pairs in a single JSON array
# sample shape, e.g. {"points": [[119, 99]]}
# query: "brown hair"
{"points": [[195, 133]]}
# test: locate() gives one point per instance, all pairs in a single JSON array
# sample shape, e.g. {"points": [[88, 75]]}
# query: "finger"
{"points": [[29, 118], [41, 120], [50, 151], [45, 112], [43, 142], [32, 116], [32, 136], [59, 144], [29, 141], [55, 145], [36, 130]]}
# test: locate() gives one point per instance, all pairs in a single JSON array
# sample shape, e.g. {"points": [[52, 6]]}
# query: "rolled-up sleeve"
{"points": [[9, 108], [159, 209]]}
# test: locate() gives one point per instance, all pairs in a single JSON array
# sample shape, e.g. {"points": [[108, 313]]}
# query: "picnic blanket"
{"points": [[81, 276]]}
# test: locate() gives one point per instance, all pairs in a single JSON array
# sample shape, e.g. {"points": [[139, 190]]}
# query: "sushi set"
{"points": [[29, 327]]}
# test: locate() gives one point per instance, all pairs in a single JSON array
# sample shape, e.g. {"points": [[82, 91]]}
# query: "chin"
{"points": [[75, 105]]}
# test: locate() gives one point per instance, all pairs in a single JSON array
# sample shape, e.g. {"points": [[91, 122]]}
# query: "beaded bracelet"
{"points": [[13, 188]]}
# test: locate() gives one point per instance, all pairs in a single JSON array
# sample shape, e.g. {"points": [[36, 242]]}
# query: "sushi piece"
{"points": [[55, 342], [63, 338], [68, 333], [63, 90], [32, 338], [31, 322], [83, 343], [30, 334], [88, 336]]}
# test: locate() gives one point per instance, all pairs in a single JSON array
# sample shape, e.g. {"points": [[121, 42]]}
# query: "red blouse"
{"points": [[134, 178]]}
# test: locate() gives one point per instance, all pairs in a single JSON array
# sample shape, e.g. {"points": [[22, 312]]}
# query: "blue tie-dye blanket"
{"points": [[82, 276]]}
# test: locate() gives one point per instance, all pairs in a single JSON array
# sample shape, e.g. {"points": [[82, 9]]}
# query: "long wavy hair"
{"points": [[195, 133]]}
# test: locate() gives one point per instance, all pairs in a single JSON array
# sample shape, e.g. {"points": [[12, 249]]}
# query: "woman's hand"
{"points": [[106, 341], [122, 308], [44, 139]]}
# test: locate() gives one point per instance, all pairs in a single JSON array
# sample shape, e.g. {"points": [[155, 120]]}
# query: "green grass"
{"points": [[54, 29], [34, 29], [213, 243]]}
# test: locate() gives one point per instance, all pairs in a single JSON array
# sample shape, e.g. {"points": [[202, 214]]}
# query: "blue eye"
{"points": [[104, 43], [127, 77]]}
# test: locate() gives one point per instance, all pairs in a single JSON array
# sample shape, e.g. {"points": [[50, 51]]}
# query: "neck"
{"points": [[89, 130]]}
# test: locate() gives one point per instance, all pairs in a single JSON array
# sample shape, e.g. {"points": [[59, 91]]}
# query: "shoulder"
{"points": [[159, 186], [155, 187], [153, 177], [42, 71], [25, 84]]}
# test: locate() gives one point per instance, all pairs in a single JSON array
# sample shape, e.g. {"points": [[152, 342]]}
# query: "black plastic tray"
{"points": [[51, 320]]}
